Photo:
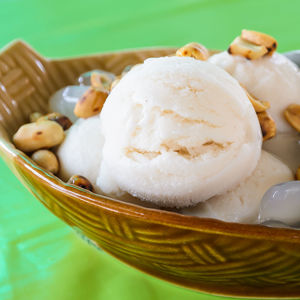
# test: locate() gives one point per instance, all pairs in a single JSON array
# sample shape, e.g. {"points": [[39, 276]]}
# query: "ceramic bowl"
{"points": [[203, 254]]}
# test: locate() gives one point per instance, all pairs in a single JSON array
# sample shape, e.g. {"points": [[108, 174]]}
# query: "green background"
{"points": [[41, 257]]}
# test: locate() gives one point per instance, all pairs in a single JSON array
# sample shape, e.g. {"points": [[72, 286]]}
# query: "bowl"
{"points": [[202, 254]]}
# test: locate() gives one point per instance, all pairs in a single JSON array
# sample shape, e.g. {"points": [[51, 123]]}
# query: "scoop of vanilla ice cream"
{"points": [[81, 151], [242, 203], [272, 78], [177, 131]]}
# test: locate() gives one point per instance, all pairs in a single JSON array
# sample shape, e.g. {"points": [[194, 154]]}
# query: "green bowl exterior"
{"points": [[203, 254]]}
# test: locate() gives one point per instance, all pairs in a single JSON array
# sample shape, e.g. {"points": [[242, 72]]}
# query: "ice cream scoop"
{"points": [[242, 203], [272, 78], [81, 151], [177, 131]]}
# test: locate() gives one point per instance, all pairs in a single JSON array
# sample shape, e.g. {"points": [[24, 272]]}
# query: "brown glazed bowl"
{"points": [[203, 254]]}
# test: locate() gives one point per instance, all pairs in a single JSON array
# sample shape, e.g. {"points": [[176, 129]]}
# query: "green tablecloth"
{"points": [[41, 257]]}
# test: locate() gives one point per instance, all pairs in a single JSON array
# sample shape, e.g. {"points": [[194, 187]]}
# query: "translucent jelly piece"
{"points": [[281, 203], [108, 78], [65, 99]]}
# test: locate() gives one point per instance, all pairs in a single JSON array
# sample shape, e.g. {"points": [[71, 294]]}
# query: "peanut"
{"points": [[82, 182], [260, 39], [246, 49], [91, 103], [267, 125], [46, 159], [292, 115], [258, 105], [38, 135], [100, 81], [194, 50]]}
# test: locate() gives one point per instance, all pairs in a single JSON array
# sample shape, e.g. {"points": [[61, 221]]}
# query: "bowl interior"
{"points": [[203, 254], [27, 80]]}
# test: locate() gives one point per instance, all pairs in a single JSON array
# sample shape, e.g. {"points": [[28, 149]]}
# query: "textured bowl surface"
{"points": [[203, 254]]}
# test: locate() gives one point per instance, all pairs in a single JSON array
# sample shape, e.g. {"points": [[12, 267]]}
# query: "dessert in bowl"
{"points": [[205, 254]]}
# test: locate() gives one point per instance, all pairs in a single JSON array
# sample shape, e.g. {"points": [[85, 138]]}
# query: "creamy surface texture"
{"points": [[177, 131], [81, 151], [242, 203], [272, 78]]}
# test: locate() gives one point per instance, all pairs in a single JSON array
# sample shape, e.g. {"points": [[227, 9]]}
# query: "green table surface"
{"points": [[40, 256]]}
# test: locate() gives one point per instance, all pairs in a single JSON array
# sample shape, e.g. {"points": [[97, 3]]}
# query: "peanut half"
{"points": [[100, 81], [258, 105], [194, 50], [267, 125], [81, 182], [47, 160], [260, 39], [38, 135], [246, 49], [292, 115], [91, 103]]}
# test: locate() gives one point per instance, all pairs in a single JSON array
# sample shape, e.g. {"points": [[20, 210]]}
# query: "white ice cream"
{"points": [[242, 204], [81, 151], [177, 131], [272, 78]]}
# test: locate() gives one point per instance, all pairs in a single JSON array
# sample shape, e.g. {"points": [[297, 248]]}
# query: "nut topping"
{"points": [[292, 115], [38, 135], [47, 160], [100, 81], [258, 105], [246, 49], [260, 39], [194, 50], [81, 182], [91, 103], [267, 125]]}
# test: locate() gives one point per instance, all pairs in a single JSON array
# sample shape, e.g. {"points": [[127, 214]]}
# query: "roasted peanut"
{"points": [[62, 120], [81, 182], [38, 135], [246, 49], [267, 125], [260, 39], [100, 81], [292, 115], [34, 116], [90, 103], [194, 50], [46, 159], [258, 105]]}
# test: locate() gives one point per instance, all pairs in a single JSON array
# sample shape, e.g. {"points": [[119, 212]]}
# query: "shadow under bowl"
{"points": [[203, 254]]}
